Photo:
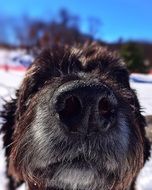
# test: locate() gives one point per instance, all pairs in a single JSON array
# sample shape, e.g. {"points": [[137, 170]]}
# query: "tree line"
{"points": [[65, 29]]}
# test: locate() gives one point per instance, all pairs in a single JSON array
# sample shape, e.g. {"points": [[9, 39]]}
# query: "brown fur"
{"points": [[30, 158]]}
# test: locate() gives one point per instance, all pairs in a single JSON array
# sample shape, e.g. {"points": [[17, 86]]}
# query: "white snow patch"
{"points": [[144, 93]]}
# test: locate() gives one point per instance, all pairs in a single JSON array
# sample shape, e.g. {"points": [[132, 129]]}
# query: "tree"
{"points": [[64, 29], [133, 56], [95, 25]]}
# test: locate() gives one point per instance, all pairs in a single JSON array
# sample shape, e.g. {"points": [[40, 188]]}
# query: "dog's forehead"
{"points": [[61, 61], [95, 53], [63, 64]]}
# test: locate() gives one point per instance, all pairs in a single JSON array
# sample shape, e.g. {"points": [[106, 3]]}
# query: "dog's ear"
{"points": [[141, 122], [8, 124], [8, 115]]}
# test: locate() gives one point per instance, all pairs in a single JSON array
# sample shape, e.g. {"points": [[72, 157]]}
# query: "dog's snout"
{"points": [[85, 108]]}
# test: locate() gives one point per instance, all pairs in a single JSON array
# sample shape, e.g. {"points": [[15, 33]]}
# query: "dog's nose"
{"points": [[85, 108]]}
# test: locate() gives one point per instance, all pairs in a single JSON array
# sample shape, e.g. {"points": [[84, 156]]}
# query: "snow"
{"points": [[136, 77], [144, 181], [9, 81], [144, 93], [15, 59]]}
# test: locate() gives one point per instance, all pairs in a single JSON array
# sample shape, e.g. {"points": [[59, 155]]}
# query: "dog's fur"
{"points": [[41, 154]]}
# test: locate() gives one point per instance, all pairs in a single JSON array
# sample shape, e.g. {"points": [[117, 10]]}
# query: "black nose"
{"points": [[85, 108]]}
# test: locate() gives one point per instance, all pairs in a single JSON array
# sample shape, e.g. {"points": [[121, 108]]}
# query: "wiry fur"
{"points": [[38, 150]]}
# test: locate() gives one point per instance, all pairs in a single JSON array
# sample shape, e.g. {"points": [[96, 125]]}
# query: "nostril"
{"points": [[71, 108], [104, 107]]}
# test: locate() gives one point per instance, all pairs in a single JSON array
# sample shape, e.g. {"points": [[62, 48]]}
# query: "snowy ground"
{"points": [[11, 80]]}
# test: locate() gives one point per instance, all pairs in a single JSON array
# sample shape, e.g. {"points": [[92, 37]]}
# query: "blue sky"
{"points": [[127, 19]]}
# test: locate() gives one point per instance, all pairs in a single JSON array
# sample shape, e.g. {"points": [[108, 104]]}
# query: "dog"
{"points": [[75, 123]]}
